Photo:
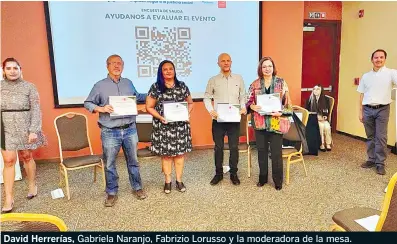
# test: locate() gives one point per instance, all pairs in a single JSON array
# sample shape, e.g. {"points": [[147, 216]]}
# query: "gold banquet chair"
{"points": [[244, 147], [332, 102], [31, 222], [345, 219], [292, 154], [72, 132]]}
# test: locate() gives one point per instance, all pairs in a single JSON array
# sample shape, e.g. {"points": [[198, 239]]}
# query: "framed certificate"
{"points": [[228, 112], [176, 111], [123, 105], [268, 103]]}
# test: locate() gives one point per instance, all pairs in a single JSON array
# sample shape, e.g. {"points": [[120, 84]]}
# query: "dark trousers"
{"points": [[313, 136], [276, 141], [219, 130], [375, 123]]}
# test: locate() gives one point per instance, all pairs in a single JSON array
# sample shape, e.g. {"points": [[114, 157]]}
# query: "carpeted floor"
{"points": [[335, 181]]}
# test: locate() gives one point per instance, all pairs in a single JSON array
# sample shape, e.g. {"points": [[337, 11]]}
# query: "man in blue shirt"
{"points": [[118, 131]]}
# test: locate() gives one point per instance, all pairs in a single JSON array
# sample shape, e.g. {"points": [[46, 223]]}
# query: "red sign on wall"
{"points": [[221, 4], [317, 15], [361, 13]]}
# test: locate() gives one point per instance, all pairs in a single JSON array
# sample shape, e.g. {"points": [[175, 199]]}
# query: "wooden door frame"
{"points": [[335, 65]]}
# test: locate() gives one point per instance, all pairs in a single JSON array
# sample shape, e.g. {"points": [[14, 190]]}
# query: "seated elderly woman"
{"points": [[320, 104]]}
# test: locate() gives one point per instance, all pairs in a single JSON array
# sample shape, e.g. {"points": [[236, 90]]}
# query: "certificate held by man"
{"points": [[123, 105], [269, 103], [176, 111], [228, 112]]}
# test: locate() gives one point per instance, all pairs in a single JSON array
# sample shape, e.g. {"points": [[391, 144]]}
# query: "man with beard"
{"points": [[116, 132]]}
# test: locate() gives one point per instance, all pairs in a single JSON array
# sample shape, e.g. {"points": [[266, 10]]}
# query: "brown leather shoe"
{"points": [[368, 165], [380, 170], [140, 194], [110, 200]]}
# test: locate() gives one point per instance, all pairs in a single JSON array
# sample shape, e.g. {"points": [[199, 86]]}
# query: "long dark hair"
{"points": [[322, 104], [160, 78]]}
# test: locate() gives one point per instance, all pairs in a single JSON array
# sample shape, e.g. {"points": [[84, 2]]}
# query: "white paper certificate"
{"points": [[228, 112], [268, 103], [123, 105], [176, 111]]}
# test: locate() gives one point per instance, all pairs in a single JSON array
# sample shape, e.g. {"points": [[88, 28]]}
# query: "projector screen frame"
{"points": [[52, 61]]}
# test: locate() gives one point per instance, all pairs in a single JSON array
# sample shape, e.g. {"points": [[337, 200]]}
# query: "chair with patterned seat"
{"points": [[72, 132]]}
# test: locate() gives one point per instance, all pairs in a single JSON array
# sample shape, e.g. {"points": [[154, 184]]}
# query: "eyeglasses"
{"points": [[115, 63], [267, 66]]}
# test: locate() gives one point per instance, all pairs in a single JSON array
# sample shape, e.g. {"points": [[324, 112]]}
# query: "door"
{"points": [[320, 60]]}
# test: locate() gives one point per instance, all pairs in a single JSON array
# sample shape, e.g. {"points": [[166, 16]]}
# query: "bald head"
{"points": [[224, 62], [224, 56]]}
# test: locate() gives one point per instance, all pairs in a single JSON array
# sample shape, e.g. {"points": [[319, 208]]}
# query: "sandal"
{"points": [[167, 188], [180, 186]]}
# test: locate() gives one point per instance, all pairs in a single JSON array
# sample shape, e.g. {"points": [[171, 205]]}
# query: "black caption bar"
{"points": [[199, 237]]}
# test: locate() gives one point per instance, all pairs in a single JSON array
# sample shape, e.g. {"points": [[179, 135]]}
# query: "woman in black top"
{"points": [[320, 104]]}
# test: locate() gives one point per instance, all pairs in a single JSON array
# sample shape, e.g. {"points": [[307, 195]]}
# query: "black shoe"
{"points": [[234, 179], [110, 200], [260, 184], [278, 188], [380, 170], [262, 181], [167, 188], [180, 186], [368, 165], [216, 179]]}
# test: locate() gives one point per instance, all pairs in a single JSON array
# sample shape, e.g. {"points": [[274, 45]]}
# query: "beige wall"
{"points": [[360, 37]]}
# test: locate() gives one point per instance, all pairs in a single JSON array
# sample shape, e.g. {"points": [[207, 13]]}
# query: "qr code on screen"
{"points": [[154, 45]]}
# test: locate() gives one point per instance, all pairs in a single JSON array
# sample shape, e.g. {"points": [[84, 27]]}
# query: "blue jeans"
{"points": [[112, 140]]}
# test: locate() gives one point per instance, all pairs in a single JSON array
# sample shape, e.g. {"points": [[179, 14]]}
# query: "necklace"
{"points": [[168, 85]]}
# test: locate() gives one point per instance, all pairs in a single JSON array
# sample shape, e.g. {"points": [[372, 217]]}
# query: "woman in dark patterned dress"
{"points": [[20, 127], [170, 140]]}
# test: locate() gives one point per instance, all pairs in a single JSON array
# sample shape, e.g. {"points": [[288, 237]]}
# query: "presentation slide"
{"points": [[143, 33]]}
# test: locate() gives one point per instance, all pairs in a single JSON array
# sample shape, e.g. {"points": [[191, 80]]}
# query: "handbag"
{"points": [[281, 124]]}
